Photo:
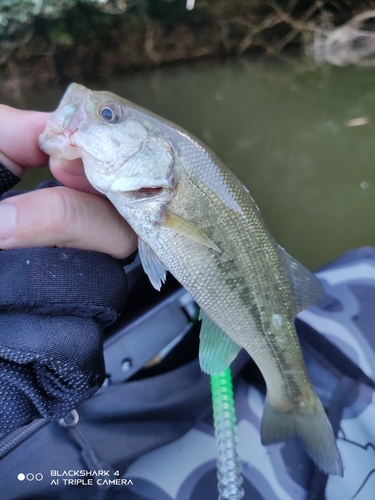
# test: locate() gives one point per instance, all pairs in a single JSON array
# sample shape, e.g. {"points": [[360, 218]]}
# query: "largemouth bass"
{"points": [[196, 220]]}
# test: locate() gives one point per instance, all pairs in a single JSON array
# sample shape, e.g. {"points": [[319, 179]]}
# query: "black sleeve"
{"points": [[7, 179], [54, 304]]}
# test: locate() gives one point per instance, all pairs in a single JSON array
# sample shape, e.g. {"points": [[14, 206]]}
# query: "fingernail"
{"points": [[8, 214]]}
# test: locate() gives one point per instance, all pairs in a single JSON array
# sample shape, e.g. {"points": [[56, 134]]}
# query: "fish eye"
{"points": [[111, 112]]}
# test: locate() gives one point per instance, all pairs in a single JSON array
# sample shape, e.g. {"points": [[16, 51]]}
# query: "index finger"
{"points": [[19, 133]]}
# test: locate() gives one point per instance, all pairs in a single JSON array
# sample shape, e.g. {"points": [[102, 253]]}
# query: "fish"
{"points": [[196, 220]]}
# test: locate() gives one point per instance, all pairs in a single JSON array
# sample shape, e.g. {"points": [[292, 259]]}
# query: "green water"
{"points": [[282, 128]]}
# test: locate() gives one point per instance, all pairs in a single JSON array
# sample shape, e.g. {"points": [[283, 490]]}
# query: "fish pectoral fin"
{"points": [[152, 265], [307, 289], [216, 349], [186, 228]]}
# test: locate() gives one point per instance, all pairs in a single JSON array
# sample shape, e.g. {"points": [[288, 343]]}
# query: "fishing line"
{"points": [[225, 425]]}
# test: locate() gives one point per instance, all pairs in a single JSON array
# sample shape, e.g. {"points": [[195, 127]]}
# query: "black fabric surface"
{"points": [[117, 425], [7, 179], [54, 304]]}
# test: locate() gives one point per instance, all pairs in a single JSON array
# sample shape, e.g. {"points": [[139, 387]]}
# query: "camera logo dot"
{"points": [[30, 477]]}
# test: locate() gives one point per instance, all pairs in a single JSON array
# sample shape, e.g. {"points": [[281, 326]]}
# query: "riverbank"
{"points": [[85, 43]]}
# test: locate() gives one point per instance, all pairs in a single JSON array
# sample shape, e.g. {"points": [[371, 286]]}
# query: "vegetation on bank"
{"points": [[51, 41]]}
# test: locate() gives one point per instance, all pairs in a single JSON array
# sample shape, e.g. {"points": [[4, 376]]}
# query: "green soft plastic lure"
{"points": [[228, 467]]}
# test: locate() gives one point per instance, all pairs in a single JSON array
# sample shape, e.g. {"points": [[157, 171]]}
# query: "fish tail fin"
{"points": [[312, 427]]}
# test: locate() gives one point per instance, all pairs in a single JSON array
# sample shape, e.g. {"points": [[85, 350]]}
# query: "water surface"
{"points": [[285, 130]]}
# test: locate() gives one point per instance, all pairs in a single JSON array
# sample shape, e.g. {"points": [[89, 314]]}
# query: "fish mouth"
{"points": [[59, 143], [68, 133], [58, 139]]}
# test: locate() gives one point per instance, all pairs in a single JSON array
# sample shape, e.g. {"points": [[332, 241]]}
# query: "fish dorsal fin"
{"points": [[152, 265], [307, 289], [182, 226], [216, 349]]}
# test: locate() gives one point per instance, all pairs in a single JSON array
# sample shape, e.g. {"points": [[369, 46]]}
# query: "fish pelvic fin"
{"points": [[312, 427], [182, 226], [216, 349]]}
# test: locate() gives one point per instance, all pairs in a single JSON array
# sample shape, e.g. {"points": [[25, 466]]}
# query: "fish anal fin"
{"points": [[182, 226], [313, 428], [152, 265], [307, 289], [216, 349]]}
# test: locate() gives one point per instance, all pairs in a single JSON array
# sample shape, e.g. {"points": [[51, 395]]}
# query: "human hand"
{"points": [[74, 215]]}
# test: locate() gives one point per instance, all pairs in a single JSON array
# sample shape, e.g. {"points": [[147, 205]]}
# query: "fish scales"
{"points": [[238, 312], [195, 219]]}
